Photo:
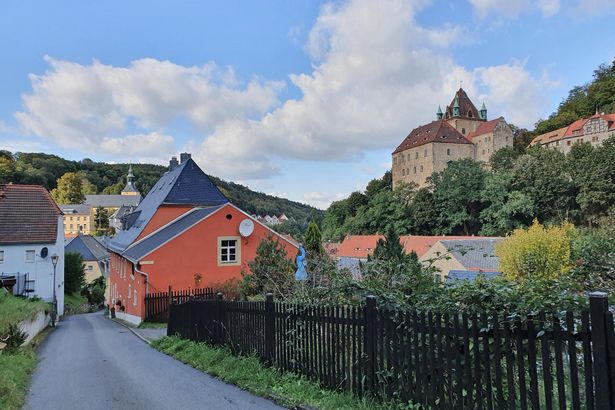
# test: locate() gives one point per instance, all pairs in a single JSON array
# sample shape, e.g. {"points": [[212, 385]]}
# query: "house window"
{"points": [[90, 267], [1, 256], [228, 250], [29, 256], [129, 290], [134, 298]]}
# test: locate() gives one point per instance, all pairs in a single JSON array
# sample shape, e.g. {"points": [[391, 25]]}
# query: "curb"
{"points": [[134, 332]]}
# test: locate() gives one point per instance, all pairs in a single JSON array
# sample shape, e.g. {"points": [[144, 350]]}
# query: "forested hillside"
{"points": [[468, 199], [584, 100], [100, 177]]}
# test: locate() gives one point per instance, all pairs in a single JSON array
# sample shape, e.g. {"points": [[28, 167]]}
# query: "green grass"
{"points": [[16, 369], [248, 373], [75, 303], [152, 325], [15, 309]]}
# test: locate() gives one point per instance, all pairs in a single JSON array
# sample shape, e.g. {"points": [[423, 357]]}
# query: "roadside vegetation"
{"points": [[80, 297], [250, 374], [15, 309]]}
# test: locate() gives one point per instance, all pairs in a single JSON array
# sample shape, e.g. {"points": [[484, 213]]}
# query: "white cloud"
{"points": [[321, 200], [513, 8], [377, 73], [98, 107]]}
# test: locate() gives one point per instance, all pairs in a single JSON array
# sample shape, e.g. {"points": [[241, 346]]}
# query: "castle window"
{"points": [[470, 114], [415, 170], [463, 131], [506, 139], [421, 168], [568, 143], [416, 156], [483, 152], [425, 153], [448, 151], [403, 172]]}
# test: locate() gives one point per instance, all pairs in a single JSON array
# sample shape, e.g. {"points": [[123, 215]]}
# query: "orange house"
{"points": [[186, 234]]}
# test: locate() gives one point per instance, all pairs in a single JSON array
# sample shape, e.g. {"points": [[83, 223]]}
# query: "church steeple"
{"points": [[456, 106], [483, 112], [439, 114], [130, 188]]}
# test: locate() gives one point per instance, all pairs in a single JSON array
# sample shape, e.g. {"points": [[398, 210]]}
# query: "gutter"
{"points": [[146, 279]]}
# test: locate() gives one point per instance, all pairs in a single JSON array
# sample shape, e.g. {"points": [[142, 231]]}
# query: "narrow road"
{"points": [[90, 362]]}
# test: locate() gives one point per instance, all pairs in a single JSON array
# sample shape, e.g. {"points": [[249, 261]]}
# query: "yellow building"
{"points": [[82, 218]]}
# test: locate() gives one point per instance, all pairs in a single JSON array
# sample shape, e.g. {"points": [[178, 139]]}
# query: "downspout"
{"points": [[146, 278]]}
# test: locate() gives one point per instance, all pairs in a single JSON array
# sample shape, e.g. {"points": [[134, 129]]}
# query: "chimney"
{"points": [[183, 157], [173, 163]]}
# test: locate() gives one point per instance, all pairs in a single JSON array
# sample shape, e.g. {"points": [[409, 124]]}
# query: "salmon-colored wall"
{"points": [[122, 279], [194, 251], [163, 216]]}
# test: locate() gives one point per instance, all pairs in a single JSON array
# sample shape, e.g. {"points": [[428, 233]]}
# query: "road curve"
{"points": [[89, 362]]}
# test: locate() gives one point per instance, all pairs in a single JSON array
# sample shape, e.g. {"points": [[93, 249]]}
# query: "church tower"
{"points": [[130, 188]]}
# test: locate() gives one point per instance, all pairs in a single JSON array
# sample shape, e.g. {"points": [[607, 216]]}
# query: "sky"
{"points": [[300, 99]]}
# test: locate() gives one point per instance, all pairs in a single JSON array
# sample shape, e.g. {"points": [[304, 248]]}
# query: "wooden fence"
{"points": [[157, 304], [439, 360]]}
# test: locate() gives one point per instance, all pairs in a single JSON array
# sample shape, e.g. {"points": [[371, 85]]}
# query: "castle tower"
{"points": [[130, 188], [462, 114], [439, 114], [483, 112]]}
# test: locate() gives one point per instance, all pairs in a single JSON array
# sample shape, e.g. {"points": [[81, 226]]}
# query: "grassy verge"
{"points": [[248, 373], [15, 309], [152, 325], [16, 368]]}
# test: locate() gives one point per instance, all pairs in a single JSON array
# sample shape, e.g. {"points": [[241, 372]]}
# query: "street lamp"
{"points": [[54, 313]]}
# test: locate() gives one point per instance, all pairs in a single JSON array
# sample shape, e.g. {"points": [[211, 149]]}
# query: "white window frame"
{"points": [[1, 256], [33, 256], [134, 299], [129, 290], [237, 260]]}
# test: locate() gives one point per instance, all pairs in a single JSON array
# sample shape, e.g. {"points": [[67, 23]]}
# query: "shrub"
{"points": [[537, 252]]}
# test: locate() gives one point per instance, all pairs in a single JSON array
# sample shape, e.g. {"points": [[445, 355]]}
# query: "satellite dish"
{"points": [[44, 252], [246, 227]]}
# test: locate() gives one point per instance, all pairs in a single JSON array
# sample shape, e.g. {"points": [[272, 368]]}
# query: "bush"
{"points": [[537, 252], [95, 292], [74, 273]]}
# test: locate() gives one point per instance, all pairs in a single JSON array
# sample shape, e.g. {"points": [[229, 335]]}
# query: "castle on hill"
{"points": [[461, 131]]}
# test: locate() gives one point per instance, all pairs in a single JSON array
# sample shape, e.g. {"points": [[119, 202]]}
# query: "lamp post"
{"points": [[54, 312]]}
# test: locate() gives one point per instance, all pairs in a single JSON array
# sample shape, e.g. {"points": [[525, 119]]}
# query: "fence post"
{"points": [[169, 302], [269, 328], [219, 326], [369, 316], [598, 307]]}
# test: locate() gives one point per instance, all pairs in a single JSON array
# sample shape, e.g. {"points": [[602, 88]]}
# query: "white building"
{"points": [[31, 234]]}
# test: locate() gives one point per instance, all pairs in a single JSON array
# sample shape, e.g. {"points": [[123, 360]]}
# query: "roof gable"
{"points": [[485, 128], [475, 253], [186, 184], [467, 109], [435, 131], [28, 214]]}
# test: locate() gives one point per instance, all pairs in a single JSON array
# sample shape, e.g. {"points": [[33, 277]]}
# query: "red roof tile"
{"points": [[576, 126], [466, 107], [435, 131], [484, 128], [28, 214]]}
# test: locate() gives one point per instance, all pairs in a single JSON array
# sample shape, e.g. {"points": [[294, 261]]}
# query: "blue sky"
{"points": [[301, 99]]}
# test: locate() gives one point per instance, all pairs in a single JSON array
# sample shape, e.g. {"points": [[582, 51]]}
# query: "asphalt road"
{"points": [[89, 362]]}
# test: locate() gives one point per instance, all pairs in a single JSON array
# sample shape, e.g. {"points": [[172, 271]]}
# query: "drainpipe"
{"points": [[146, 278]]}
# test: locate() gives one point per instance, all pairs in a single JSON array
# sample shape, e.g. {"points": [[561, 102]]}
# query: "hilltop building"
{"points": [[81, 218], [461, 131], [185, 234], [595, 130]]}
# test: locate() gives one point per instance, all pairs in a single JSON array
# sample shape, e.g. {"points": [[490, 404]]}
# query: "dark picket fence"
{"points": [[446, 360], [157, 304]]}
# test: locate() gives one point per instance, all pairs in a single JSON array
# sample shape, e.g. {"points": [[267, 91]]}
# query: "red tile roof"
{"points": [[484, 128], [360, 246], [465, 106], [28, 214], [576, 126], [435, 131]]}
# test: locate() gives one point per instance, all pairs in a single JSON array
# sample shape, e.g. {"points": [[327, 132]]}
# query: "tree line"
{"points": [[467, 198]]}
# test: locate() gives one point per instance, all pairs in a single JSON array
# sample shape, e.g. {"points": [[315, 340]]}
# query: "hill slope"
{"points": [[45, 169]]}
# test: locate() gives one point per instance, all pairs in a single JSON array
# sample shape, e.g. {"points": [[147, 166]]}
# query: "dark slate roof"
{"points": [[469, 275], [88, 247], [130, 188], [28, 214], [466, 106], [435, 131], [150, 243], [122, 211], [186, 184], [474, 254], [68, 209], [112, 200]]}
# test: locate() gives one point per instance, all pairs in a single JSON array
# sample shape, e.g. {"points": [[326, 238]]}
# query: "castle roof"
{"points": [[467, 109], [485, 128], [435, 131]]}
